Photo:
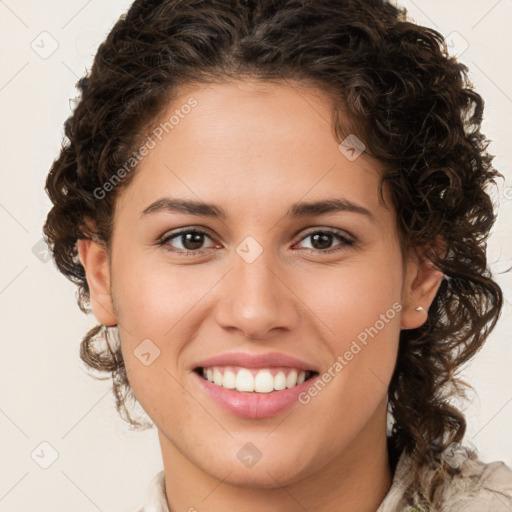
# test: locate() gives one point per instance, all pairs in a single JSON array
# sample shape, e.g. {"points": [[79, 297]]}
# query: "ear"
{"points": [[422, 281], [94, 259]]}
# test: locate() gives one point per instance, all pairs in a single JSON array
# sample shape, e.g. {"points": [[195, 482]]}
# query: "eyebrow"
{"points": [[296, 210]]}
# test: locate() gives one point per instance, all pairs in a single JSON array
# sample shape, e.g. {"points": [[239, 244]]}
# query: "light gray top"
{"points": [[478, 487]]}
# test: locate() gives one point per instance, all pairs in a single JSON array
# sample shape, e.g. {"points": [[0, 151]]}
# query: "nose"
{"points": [[256, 299]]}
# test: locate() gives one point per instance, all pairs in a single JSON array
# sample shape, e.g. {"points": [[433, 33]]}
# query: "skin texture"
{"points": [[254, 149]]}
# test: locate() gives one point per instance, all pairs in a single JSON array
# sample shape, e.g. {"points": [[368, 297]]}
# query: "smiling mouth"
{"points": [[255, 380]]}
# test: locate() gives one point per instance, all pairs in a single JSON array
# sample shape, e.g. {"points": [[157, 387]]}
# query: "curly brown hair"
{"points": [[391, 81]]}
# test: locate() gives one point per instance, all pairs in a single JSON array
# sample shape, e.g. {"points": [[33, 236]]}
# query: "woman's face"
{"points": [[324, 285]]}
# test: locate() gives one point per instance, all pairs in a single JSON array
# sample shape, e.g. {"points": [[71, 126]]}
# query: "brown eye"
{"points": [[190, 240], [322, 240]]}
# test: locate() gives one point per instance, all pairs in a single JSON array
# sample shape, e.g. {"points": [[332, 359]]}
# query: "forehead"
{"points": [[253, 145], [252, 113]]}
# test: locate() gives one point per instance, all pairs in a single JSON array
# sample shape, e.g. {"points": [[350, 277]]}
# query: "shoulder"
{"points": [[479, 486], [475, 486]]}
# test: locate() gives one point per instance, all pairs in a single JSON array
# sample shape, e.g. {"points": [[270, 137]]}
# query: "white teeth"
{"points": [[229, 380], [217, 377], [291, 380], [244, 381], [262, 381], [280, 381]]}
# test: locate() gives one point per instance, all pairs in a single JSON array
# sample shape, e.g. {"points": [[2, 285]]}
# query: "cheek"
{"points": [[361, 306], [353, 299], [153, 298], [152, 303]]}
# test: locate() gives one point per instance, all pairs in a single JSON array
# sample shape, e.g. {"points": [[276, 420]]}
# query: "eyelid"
{"points": [[321, 229], [344, 237], [187, 229]]}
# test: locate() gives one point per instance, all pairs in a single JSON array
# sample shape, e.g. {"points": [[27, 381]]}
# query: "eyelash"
{"points": [[346, 241]]}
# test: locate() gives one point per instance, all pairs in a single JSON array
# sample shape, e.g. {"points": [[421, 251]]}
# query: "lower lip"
{"points": [[251, 404]]}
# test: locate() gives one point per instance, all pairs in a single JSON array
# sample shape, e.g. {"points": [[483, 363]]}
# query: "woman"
{"points": [[277, 212]]}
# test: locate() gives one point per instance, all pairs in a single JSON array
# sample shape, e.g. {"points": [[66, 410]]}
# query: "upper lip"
{"points": [[246, 360]]}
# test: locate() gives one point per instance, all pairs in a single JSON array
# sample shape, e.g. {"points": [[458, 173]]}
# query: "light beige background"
{"points": [[46, 396]]}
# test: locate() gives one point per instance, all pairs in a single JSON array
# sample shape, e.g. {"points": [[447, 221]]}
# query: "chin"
{"points": [[266, 477]]}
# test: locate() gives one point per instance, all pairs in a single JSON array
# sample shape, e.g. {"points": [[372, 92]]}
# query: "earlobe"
{"points": [[94, 259], [420, 288]]}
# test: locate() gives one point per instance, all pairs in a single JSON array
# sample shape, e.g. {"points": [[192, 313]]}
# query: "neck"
{"points": [[356, 480]]}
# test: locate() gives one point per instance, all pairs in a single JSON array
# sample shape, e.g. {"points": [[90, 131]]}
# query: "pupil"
{"points": [[192, 240], [325, 240]]}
